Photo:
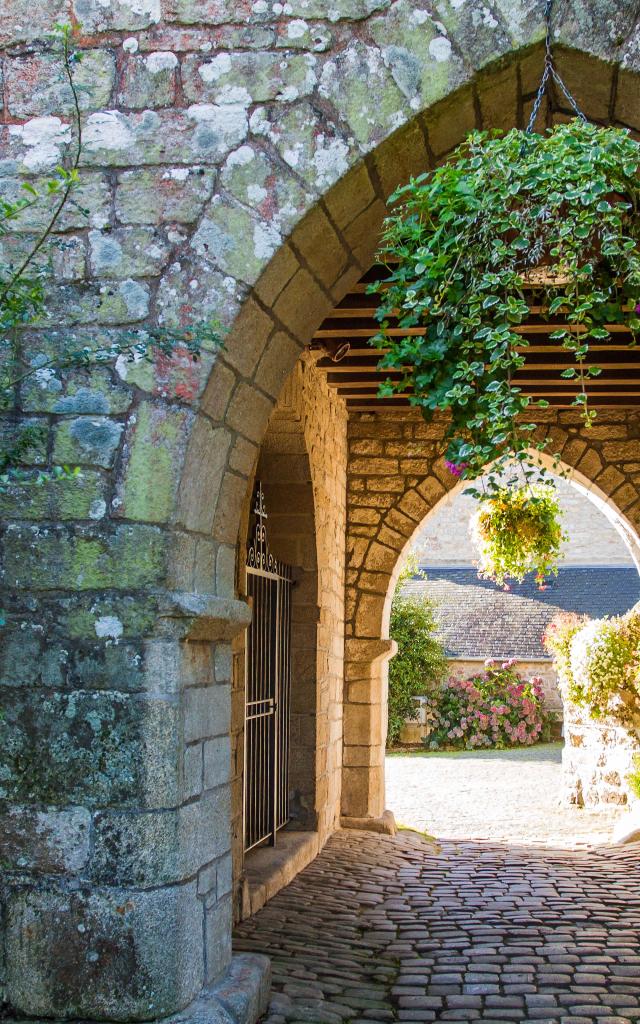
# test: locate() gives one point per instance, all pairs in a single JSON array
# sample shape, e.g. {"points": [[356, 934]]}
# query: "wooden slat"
{"points": [[356, 378]]}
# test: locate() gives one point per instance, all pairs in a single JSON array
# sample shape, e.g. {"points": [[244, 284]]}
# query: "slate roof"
{"points": [[479, 620]]}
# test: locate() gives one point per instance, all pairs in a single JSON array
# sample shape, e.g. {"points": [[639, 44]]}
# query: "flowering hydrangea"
{"points": [[598, 662], [496, 708]]}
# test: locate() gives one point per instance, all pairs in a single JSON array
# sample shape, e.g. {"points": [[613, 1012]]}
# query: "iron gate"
{"points": [[268, 688]]}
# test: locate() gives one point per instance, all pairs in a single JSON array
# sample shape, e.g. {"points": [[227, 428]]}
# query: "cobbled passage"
{"points": [[382, 928]]}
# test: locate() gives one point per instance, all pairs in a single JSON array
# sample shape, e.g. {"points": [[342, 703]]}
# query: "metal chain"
{"points": [[550, 71]]}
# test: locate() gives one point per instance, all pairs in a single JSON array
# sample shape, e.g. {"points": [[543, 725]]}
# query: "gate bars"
{"points": [[268, 688]]}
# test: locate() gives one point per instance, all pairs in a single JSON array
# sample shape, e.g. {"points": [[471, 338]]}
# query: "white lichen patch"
{"points": [[109, 627], [215, 69], [130, 45], [331, 161], [161, 60], [224, 126], [47, 380], [440, 48], [239, 158], [108, 129], [266, 239], [136, 298], [97, 509], [43, 138], [297, 28]]}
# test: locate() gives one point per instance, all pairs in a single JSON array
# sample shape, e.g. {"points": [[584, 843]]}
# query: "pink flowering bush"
{"points": [[496, 708]]}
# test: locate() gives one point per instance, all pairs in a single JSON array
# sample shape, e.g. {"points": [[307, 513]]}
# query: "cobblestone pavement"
{"points": [[506, 795], [394, 929]]}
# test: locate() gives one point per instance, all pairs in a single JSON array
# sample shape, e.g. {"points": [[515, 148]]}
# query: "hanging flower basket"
{"points": [[465, 246], [516, 531]]}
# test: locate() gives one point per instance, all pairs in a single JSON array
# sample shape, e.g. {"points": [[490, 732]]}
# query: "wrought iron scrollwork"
{"points": [[258, 554]]}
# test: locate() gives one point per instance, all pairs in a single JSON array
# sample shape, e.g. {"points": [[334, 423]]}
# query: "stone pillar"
{"points": [[116, 819], [365, 727]]}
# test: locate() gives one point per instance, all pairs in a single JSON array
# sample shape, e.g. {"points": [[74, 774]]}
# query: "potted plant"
{"points": [[463, 245], [517, 530]]}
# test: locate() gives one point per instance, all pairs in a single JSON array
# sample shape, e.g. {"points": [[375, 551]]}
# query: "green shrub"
{"points": [[420, 662]]}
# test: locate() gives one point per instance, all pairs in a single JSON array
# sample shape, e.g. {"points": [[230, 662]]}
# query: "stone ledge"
{"points": [[205, 616], [240, 997], [269, 868], [386, 824]]}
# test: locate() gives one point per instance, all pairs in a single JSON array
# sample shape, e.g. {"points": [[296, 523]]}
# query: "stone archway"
{"points": [[123, 595], [393, 485]]}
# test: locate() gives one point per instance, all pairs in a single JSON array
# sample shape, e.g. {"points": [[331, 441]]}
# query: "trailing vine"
{"points": [[465, 246]]}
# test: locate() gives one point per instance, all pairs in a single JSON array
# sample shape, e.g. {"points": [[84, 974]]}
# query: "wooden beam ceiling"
{"points": [[351, 364]]}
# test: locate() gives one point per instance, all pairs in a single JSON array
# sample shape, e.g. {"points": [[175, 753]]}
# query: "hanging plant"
{"points": [[466, 244], [516, 531]]}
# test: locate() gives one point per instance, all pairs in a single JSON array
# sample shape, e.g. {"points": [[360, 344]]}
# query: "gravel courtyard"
{"points": [[503, 795]]}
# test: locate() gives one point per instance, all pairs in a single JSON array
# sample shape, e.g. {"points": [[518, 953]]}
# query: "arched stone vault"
{"points": [[396, 476], [235, 168]]}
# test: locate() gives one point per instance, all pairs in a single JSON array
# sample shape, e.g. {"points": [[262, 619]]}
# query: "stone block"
{"points": [[192, 770], [51, 842], [352, 194], [122, 15], [204, 133], [498, 98], [449, 122], [217, 761], [251, 332], [87, 440], [207, 712], [233, 494], [363, 725], [103, 954], [218, 923], [152, 457], [82, 497], [148, 81], [320, 247], [103, 748], [83, 557], [37, 85], [215, 823], [127, 252], [147, 849], [173, 194], [124, 302], [235, 240], [203, 469], [627, 99], [23, 22], [257, 77], [301, 306], [380, 558], [249, 412], [218, 391], [244, 989], [363, 792], [364, 93]]}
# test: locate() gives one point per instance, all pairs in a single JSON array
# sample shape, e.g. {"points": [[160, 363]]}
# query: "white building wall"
{"points": [[593, 540]]}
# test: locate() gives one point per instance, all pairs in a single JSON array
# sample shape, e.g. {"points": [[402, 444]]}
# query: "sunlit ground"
{"points": [[510, 795]]}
